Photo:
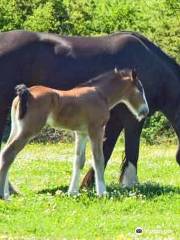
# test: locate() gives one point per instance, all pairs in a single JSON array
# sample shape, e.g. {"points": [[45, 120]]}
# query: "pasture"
{"points": [[44, 211]]}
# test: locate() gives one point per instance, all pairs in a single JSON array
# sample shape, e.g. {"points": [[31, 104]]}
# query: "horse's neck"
{"points": [[176, 70]]}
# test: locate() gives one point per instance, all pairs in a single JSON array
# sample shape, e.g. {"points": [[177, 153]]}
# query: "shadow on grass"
{"points": [[54, 191], [146, 191]]}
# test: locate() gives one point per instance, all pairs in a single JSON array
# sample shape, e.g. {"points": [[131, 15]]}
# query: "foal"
{"points": [[84, 109]]}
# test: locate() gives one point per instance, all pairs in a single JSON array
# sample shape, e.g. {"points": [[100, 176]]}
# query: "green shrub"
{"points": [[157, 129], [54, 136]]}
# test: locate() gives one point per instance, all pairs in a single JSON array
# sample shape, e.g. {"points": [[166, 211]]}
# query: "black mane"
{"points": [[172, 61]]}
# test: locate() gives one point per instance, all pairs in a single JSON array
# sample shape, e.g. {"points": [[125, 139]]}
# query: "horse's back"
{"points": [[63, 62]]}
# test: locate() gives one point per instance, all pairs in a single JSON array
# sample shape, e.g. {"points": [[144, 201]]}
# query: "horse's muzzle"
{"points": [[143, 112]]}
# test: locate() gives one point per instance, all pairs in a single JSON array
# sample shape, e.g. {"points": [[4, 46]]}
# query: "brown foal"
{"points": [[84, 109]]}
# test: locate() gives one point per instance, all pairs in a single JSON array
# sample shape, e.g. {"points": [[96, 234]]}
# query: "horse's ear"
{"points": [[134, 74]]}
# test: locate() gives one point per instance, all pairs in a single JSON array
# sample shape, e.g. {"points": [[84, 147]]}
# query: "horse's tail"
{"points": [[23, 93]]}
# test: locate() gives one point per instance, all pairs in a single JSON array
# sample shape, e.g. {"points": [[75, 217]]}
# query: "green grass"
{"points": [[42, 174]]}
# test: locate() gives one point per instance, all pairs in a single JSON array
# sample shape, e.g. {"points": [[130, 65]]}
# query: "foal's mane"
{"points": [[107, 76], [97, 79]]}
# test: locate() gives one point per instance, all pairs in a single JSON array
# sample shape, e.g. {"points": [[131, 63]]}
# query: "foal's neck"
{"points": [[112, 89]]}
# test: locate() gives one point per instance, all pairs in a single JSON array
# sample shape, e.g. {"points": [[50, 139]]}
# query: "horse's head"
{"points": [[133, 94]]}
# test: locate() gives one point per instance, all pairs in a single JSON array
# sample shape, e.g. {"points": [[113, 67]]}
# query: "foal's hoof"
{"points": [[88, 180]]}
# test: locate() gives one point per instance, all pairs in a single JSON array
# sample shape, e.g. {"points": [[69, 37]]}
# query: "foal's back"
{"points": [[75, 109], [81, 107]]}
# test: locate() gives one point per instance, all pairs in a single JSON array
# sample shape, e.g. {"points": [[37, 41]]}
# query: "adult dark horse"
{"points": [[63, 62]]}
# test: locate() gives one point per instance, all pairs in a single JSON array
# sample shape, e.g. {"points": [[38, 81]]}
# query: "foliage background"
{"points": [[157, 20]]}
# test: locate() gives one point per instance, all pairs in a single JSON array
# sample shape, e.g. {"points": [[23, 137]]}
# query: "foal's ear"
{"points": [[116, 70], [134, 74]]}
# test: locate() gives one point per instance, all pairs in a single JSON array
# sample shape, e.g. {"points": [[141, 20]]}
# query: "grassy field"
{"points": [[43, 211]]}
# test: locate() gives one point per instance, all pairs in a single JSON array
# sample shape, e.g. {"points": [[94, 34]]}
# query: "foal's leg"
{"points": [[78, 164], [96, 137], [112, 132], [3, 120], [7, 157], [14, 130]]}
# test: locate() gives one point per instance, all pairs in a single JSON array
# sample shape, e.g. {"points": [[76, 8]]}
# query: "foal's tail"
{"points": [[23, 93]]}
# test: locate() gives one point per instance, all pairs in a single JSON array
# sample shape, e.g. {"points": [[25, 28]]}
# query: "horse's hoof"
{"points": [[73, 193], [103, 194], [129, 177], [88, 180], [129, 184]]}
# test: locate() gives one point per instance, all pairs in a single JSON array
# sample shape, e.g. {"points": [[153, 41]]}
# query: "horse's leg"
{"points": [[133, 130], [78, 163], [178, 153], [96, 136], [3, 119], [7, 157], [176, 125], [175, 121], [112, 131]]}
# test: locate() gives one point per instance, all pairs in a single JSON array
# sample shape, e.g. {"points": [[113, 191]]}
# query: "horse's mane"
{"points": [[153, 47], [157, 50]]}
